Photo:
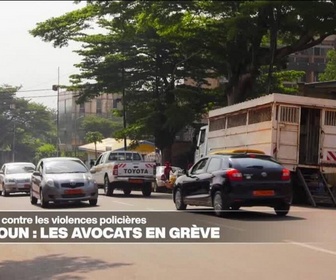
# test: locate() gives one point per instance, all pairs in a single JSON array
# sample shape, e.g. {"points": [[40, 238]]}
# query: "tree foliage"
{"points": [[107, 127], [45, 150], [284, 81], [94, 137], [329, 73], [146, 49], [25, 125]]}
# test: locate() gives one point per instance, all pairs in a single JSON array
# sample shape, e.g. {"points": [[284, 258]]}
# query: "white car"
{"points": [[160, 178], [15, 177]]}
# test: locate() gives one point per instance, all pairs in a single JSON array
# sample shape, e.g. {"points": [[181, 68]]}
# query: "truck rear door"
{"points": [[288, 134], [328, 137]]}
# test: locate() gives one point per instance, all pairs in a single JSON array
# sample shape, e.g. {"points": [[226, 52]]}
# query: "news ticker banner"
{"points": [[104, 227], [139, 227]]}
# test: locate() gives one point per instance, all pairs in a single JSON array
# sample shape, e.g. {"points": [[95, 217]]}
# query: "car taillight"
{"points": [[234, 175], [115, 170], [285, 175]]}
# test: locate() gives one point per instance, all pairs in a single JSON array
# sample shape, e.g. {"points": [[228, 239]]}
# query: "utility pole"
{"points": [[12, 107], [57, 88], [14, 140], [76, 128], [58, 92], [124, 104]]}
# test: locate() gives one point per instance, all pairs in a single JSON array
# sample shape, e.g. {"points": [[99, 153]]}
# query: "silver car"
{"points": [[15, 177], [62, 179]]}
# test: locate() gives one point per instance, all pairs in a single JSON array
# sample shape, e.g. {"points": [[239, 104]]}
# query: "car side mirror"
{"points": [[186, 172]]}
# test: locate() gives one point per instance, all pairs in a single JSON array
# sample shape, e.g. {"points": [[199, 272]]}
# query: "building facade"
{"points": [[71, 114], [313, 60]]}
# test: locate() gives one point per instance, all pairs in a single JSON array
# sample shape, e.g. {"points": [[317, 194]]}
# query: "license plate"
{"points": [[137, 181], [75, 191], [263, 193]]}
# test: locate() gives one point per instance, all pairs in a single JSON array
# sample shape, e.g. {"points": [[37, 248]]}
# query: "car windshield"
{"points": [[20, 168], [64, 166]]}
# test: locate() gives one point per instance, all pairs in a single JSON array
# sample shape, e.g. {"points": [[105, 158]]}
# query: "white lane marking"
{"points": [[222, 225], [305, 245], [123, 203]]}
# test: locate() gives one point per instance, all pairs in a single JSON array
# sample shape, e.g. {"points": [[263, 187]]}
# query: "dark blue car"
{"points": [[227, 182]]}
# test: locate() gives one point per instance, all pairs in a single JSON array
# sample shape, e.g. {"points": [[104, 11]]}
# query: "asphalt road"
{"points": [[257, 245]]}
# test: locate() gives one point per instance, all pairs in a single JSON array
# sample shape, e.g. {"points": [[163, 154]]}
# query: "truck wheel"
{"points": [[127, 191], [282, 209], [147, 189], [107, 187]]}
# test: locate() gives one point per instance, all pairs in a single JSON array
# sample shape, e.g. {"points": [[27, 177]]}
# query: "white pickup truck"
{"points": [[124, 170]]}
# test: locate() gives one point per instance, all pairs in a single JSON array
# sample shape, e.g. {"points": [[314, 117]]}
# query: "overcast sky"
{"points": [[27, 61]]}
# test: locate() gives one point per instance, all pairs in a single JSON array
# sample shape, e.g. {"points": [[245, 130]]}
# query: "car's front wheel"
{"points": [[44, 202], [179, 203], [282, 209], [33, 199], [4, 192]]}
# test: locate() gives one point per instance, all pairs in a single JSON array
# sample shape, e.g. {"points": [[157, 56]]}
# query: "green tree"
{"points": [[107, 127], [45, 150], [239, 37], [329, 73], [147, 47], [135, 60], [94, 137], [284, 81], [25, 125]]}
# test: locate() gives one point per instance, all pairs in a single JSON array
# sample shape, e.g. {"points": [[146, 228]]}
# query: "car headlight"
{"points": [[92, 182], [50, 183]]}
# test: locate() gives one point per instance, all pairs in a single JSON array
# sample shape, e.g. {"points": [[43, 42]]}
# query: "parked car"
{"points": [[15, 177], [62, 179], [160, 179], [229, 181]]}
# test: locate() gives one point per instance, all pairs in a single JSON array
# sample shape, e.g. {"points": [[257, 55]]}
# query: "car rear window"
{"points": [[125, 156], [260, 161]]}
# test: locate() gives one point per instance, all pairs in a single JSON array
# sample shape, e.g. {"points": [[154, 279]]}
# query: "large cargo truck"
{"points": [[298, 131]]}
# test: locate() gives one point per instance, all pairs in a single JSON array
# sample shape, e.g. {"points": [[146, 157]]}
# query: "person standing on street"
{"points": [[167, 170]]}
